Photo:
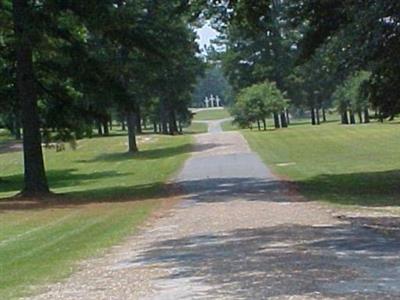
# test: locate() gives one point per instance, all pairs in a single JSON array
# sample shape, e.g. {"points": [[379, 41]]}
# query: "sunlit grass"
{"points": [[341, 164], [211, 114], [110, 193]]}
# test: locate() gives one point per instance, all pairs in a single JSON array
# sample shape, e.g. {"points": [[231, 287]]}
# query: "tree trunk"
{"points": [[352, 117], [276, 121], [287, 116], [106, 128], [324, 115], [259, 125], [17, 128], [138, 120], [155, 127], [173, 128], [35, 181], [163, 118], [123, 124], [180, 127], [111, 122], [360, 118], [366, 116], [131, 122], [317, 116], [283, 120], [264, 124], [345, 119], [99, 129], [313, 120]]}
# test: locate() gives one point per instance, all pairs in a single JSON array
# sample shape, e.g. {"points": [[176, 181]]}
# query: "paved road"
{"points": [[240, 234]]}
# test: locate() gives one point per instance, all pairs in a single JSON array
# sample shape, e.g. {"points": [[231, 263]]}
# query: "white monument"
{"points": [[218, 100], [212, 100], [207, 102]]}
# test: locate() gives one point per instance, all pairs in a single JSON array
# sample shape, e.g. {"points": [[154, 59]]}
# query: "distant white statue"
{"points": [[212, 99], [207, 102], [218, 100]]}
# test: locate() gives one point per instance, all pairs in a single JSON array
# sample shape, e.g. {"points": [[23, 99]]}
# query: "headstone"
{"points": [[212, 100], [218, 100], [207, 102]]}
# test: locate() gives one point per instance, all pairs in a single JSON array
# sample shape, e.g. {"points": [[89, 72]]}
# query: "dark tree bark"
{"points": [[366, 116], [138, 120], [324, 115], [111, 122], [180, 127], [123, 125], [17, 128], [287, 116], [259, 125], [317, 116], [106, 128], [313, 120], [276, 121], [352, 117], [264, 124], [283, 120], [155, 127], [99, 129], [345, 118], [35, 181], [173, 127], [163, 118], [360, 118], [131, 122]]}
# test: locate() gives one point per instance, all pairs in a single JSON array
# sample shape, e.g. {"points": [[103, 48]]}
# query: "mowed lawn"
{"points": [[211, 114], [107, 193], [357, 165]]}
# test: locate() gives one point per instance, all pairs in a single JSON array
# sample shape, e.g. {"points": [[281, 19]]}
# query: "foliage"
{"points": [[212, 83], [350, 95], [256, 103]]}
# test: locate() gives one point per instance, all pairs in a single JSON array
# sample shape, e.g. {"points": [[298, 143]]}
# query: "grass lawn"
{"points": [[356, 165], [110, 192], [229, 126], [211, 114], [196, 128], [4, 136]]}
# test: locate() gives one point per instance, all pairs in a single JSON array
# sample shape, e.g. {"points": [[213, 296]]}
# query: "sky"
{"points": [[206, 33]]}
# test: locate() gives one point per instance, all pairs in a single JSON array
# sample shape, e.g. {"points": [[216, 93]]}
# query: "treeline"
{"points": [[67, 67], [321, 54]]}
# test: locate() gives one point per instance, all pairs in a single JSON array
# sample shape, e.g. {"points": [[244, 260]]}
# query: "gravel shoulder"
{"points": [[239, 233]]}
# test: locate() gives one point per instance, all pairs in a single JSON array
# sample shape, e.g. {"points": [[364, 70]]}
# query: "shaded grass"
{"points": [[102, 187], [101, 163], [211, 114], [352, 165], [5, 136]]}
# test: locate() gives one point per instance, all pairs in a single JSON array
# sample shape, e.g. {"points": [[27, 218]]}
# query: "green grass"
{"points": [[113, 192], [229, 126], [196, 128], [101, 167], [5, 136], [211, 114], [352, 165]]}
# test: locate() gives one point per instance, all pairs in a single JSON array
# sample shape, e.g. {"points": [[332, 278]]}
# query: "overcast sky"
{"points": [[206, 33]]}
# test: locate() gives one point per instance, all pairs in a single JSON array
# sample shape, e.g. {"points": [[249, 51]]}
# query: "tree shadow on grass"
{"points": [[365, 188], [58, 179], [280, 261], [158, 153]]}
